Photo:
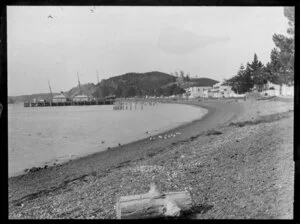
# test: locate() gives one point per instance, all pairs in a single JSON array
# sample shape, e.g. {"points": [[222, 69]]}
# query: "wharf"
{"points": [[69, 103]]}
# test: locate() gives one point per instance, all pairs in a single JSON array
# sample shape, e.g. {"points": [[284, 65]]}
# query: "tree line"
{"points": [[139, 84], [185, 78], [280, 69]]}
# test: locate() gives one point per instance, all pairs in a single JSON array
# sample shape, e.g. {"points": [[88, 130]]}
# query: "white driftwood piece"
{"points": [[153, 204]]}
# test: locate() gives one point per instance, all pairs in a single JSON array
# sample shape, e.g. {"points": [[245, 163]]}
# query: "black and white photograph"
{"points": [[150, 112]]}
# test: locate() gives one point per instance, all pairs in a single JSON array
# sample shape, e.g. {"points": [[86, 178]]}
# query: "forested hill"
{"points": [[134, 84], [150, 83], [87, 89], [27, 98], [203, 81], [128, 85]]}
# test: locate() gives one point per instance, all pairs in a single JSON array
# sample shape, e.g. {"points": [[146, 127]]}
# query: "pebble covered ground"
{"points": [[232, 172]]}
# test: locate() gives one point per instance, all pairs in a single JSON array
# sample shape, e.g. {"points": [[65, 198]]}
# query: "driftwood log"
{"points": [[153, 204]]}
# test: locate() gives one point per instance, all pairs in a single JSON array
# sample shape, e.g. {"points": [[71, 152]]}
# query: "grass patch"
{"points": [[263, 119]]}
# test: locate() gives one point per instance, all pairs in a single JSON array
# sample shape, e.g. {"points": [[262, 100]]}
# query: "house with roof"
{"points": [[271, 89], [198, 91], [81, 98], [61, 98], [221, 91]]}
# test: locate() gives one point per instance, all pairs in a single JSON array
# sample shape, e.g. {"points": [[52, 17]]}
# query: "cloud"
{"points": [[174, 40]]}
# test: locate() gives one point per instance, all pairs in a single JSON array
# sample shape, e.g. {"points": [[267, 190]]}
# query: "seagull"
{"points": [[93, 9], [50, 16]]}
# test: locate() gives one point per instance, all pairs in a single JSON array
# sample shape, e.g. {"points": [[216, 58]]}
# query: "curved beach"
{"points": [[102, 177], [40, 137]]}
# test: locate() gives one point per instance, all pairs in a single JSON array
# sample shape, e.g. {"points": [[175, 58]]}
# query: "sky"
{"points": [[56, 43]]}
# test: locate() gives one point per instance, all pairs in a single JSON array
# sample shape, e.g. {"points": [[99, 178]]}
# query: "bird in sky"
{"points": [[93, 9], [50, 16]]}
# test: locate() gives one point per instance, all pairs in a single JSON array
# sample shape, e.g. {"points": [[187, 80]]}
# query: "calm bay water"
{"points": [[44, 135]]}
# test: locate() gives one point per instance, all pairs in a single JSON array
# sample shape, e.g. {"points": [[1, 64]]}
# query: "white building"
{"points": [[81, 98], [271, 89], [221, 91], [198, 91], [61, 98]]}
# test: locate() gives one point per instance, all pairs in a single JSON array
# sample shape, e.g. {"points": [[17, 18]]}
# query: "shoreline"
{"points": [[103, 176], [134, 151], [164, 131]]}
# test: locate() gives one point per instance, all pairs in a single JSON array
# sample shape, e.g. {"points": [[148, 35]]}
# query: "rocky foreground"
{"points": [[242, 168]]}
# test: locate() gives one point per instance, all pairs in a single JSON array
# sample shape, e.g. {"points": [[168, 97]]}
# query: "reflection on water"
{"points": [[44, 135]]}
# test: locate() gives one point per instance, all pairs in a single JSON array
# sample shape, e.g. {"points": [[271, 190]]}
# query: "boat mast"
{"points": [[79, 84], [50, 89], [97, 77]]}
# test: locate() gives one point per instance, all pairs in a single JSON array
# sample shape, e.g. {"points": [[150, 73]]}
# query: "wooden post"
{"points": [[153, 204]]}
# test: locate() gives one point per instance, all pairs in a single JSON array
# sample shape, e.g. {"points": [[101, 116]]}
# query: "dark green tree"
{"points": [[289, 13], [119, 92], [159, 92], [140, 93], [247, 77], [187, 78], [181, 74], [280, 70], [130, 92], [273, 68], [173, 90], [104, 91], [257, 73], [285, 50], [237, 82], [177, 90], [96, 94]]}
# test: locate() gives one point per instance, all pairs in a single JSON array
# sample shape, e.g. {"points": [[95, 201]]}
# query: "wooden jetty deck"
{"points": [[69, 103]]}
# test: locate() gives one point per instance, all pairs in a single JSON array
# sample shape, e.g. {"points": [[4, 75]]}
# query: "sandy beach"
{"points": [[245, 170]]}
